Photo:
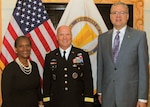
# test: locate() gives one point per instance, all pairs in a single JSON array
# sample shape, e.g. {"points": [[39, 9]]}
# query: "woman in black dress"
{"points": [[21, 79]]}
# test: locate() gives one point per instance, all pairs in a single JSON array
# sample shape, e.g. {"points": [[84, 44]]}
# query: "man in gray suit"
{"points": [[122, 63]]}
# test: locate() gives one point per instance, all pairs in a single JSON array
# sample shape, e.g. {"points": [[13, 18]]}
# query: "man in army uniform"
{"points": [[67, 74]]}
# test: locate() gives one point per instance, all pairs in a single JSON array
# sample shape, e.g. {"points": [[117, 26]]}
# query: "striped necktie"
{"points": [[115, 49]]}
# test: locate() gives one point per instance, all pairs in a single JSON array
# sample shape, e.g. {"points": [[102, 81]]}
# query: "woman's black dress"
{"points": [[20, 89]]}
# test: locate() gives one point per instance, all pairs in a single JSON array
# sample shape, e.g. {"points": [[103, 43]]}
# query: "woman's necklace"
{"points": [[26, 70]]}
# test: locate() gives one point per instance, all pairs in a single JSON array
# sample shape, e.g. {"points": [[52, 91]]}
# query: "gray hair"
{"points": [[120, 3]]}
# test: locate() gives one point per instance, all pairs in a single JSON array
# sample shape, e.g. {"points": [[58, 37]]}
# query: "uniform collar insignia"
{"points": [[72, 52], [57, 53]]}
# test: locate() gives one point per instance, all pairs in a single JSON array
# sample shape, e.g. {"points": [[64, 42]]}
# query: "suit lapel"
{"points": [[124, 45], [57, 53], [109, 43]]}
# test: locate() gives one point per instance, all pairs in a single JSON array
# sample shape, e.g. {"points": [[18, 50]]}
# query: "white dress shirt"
{"points": [[67, 52], [121, 35]]}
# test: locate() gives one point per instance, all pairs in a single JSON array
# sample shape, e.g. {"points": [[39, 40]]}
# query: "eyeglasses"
{"points": [[116, 13]]}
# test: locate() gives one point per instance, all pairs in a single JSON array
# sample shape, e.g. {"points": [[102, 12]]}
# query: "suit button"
{"points": [[115, 68]]}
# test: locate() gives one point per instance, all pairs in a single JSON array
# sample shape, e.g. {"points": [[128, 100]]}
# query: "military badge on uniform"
{"points": [[79, 59], [81, 75], [74, 75], [54, 77], [53, 63], [74, 65], [79, 54]]}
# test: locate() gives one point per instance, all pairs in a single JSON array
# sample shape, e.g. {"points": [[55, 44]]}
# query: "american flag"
{"points": [[30, 19]]}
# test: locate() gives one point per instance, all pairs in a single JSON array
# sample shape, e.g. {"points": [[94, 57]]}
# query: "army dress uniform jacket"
{"points": [[68, 83]]}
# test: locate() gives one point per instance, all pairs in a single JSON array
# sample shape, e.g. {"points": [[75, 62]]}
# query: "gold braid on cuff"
{"points": [[88, 99], [46, 99]]}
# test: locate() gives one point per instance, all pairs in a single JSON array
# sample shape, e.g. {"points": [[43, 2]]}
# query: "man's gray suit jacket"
{"points": [[126, 81]]}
